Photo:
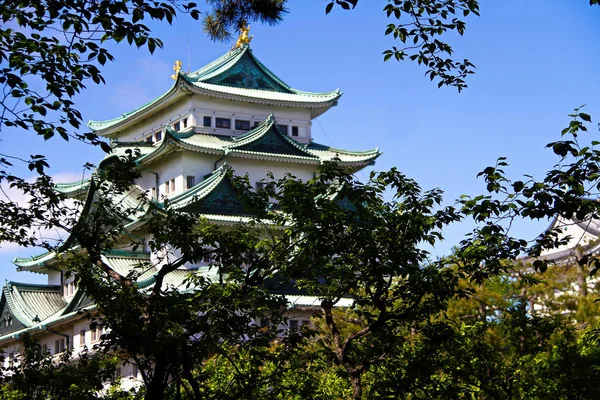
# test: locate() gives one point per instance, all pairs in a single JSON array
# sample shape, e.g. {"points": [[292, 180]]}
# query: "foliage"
{"points": [[49, 52], [567, 192], [34, 375], [420, 28], [411, 331]]}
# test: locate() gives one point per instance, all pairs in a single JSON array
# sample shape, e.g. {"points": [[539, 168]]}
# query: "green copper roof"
{"points": [[74, 188], [100, 125], [214, 195], [237, 75], [34, 263], [126, 262], [240, 69], [31, 303], [266, 138], [264, 141]]}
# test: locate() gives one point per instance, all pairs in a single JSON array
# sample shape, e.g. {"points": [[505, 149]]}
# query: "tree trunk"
{"points": [[158, 383], [356, 385], [581, 274]]}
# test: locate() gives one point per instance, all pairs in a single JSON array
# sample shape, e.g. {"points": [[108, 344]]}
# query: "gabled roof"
{"points": [[34, 263], [264, 141], [214, 195], [237, 75], [31, 303], [266, 138]]}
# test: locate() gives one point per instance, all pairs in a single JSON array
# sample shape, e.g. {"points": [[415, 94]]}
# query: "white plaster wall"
{"points": [[170, 167], [204, 106], [158, 120], [257, 169], [15, 349], [197, 106], [579, 237], [82, 325], [198, 165], [54, 277]]}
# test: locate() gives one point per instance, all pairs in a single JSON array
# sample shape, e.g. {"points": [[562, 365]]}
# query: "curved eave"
{"points": [[73, 189], [12, 306], [300, 99], [258, 155], [230, 59], [169, 144], [35, 264], [201, 190], [47, 324], [350, 159], [25, 310], [110, 127]]}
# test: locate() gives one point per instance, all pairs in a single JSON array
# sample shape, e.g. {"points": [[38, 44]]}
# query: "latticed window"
{"points": [[223, 123], [283, 129], [96, 332], [242, 125], [190, 181], [294, 131]]}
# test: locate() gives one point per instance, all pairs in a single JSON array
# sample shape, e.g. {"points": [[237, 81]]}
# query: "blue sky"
{"points": [[536, 61]]}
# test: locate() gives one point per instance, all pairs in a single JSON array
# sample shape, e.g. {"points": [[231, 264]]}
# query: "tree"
{"points": [[49, 52], [334, 241], [38, 376]]}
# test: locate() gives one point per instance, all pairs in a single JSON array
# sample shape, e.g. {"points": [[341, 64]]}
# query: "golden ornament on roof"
{"points": [[243, 38], [177, 69]]}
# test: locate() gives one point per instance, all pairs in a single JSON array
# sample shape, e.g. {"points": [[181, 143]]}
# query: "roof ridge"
{"points": [[126, 254], [32, 285], [267, 71], [343, 151], [229, 55], [264, 127]]}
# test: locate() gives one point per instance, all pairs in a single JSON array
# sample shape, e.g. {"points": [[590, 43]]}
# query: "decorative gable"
{"points": [[222, 199], [8, 322], [248, 75], [267, 138]]}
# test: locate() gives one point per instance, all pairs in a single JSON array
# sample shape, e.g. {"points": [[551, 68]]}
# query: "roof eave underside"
{"points": [[319, 102], [109, 128]]}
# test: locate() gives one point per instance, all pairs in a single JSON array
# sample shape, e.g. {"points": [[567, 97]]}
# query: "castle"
{"points": [[232, 113]]}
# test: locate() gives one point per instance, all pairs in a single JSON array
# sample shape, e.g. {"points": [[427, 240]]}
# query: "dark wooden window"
{"points": [[177, 126], [158, 136], [294, 131], [283, 129], [191, 181], [223, 123], [241, 125], [208, 121]]}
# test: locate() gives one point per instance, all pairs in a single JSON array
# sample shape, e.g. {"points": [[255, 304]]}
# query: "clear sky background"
{"points": [[536, 61]]}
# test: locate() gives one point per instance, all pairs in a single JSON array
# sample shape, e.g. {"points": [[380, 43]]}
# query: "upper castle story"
{"points": [[233, 110], [228, 97]]}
